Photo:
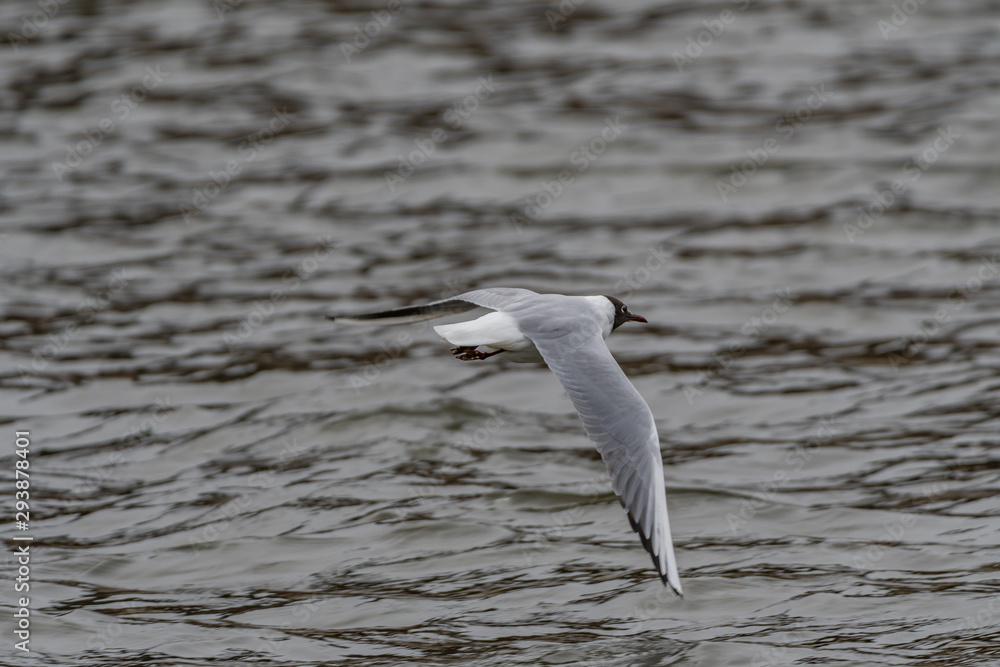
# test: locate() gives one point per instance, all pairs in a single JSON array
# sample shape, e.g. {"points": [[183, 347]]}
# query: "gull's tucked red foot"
{"points": [[472, 354]]}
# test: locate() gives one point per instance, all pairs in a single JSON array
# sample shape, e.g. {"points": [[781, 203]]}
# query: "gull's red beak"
{"points": [[637, 318]]}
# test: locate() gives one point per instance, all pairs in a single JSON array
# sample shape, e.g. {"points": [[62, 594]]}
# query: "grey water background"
{"points": [[801, 197]]}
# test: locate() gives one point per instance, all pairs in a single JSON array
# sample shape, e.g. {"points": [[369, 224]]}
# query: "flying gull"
{"points": [[567, 333]]}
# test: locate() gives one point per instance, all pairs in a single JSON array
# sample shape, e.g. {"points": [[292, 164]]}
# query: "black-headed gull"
{"points": [[567, 333]]}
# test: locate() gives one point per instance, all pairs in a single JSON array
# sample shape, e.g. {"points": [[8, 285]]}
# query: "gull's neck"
{"points": [[605, 312]]}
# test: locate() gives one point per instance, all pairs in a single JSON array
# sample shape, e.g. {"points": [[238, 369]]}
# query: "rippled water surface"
{"points": [[803, 198]]}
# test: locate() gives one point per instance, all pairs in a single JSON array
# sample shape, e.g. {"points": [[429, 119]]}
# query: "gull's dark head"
{"points": [[622, 313]]}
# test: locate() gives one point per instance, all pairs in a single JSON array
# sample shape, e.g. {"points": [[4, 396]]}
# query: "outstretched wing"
{"points": [[495, 298], [621, 424]]}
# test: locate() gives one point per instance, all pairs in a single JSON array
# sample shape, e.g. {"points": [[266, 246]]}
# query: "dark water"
{"points": [[803, 201]]}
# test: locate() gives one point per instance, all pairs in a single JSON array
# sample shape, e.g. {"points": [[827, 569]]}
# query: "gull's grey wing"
{"points": [[495, 298], [621, 424]]}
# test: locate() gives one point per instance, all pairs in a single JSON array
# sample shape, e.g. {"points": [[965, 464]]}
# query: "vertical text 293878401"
{"points": [[23, 551]]}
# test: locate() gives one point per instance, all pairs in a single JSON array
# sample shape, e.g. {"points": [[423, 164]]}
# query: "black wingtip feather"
{"points": [[648, 546], [425, 311]]}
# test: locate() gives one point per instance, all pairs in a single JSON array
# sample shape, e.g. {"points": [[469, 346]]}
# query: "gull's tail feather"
{"points": [[408, 314]]}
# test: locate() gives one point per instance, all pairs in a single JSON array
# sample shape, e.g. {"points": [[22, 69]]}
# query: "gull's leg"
{"points": [[465, 353]]}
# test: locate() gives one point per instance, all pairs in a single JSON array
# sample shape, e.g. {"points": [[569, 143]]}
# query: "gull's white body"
{"points": [[567, 333], [499, 330]]}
